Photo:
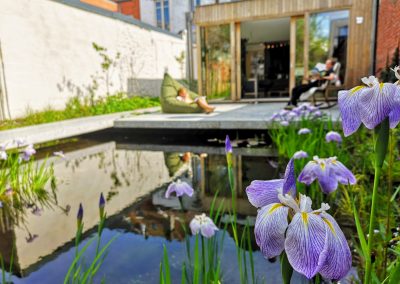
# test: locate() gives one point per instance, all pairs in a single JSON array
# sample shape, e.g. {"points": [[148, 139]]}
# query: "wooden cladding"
{"points": [[251, 10], [360, 45]]}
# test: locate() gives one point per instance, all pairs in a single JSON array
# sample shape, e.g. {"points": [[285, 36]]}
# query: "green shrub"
{"points": [[77, 107]]}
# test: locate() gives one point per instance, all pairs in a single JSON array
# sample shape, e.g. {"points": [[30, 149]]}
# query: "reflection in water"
{"points": [[134, 183]]}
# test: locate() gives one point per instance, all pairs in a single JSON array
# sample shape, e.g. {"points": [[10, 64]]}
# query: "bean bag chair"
{"points": [[173, 162], [169, 103]]}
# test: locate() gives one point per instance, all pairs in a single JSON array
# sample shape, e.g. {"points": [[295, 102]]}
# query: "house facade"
{"points": [[270, 45]]}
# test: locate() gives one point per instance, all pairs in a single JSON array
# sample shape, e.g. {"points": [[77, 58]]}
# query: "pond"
{"points": [[133, 174]]}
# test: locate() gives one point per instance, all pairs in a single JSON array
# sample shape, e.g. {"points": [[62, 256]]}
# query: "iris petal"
{"points": [[327, 179], [305, 240], [348, 105], [336, 252], [376, 103], [289, 181], [261, 193], [307, 175], [394, 115], [194, 226], [270, 227], [343, 174]]}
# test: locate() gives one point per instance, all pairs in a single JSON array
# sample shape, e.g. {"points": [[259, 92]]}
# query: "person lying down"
{"points": [[183, 96]]}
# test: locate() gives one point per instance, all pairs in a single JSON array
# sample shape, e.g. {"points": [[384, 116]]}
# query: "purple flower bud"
{"points": [[228, 145], [284, 123], [333, 136], [303, 131], [300, 155], [79, 217], [102, 204]]}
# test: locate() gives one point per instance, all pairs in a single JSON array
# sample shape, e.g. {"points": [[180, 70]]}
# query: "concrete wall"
{"points": [[48, 55]]}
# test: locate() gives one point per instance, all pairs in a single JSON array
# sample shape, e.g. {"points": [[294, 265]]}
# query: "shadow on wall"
{"points": [[148, 87]]}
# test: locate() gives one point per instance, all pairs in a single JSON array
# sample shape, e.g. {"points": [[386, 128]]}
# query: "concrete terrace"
{"points": [[226, 116]]}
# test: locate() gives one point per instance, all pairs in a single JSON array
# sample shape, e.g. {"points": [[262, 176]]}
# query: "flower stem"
{"points": [[203, 255], [381, 144]]}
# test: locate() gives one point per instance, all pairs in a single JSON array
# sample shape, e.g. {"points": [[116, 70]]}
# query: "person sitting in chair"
{"points": [[200, 101], [316, 80]]}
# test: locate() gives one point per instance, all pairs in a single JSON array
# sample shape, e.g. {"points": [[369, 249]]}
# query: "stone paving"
{"points": [[226, 116]]}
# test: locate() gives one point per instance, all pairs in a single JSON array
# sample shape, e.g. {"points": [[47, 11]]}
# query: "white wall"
{"points": [[148, 12], [48, 54], [177, 11], [178, 15]]}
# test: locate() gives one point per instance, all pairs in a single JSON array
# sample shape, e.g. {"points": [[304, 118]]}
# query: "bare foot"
{"points": [[210, 110]]}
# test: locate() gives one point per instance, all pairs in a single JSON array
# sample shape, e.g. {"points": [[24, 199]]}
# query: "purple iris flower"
{"points": [[204, 225], [333, 136], [3, 153], [59, 154], [313, 241], [263, 192], [284, 123], [28, 152], [329, 173], [303, 131], [180, 188], [369, 105], [228, 145], [300, 155], [19, 142]]}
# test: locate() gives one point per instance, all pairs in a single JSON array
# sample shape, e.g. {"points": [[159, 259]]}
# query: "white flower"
{"points": [[396, 71], [370, 81]]}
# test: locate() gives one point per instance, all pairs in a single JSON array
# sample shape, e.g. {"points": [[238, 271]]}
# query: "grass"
{"points": [[77, 107]]}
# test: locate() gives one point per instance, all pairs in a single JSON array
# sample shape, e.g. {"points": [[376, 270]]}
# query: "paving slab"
{"points": [[67, 128], [226, 116]]}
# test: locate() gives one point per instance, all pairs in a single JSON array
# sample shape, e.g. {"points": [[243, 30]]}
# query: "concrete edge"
{"points": [[66, 128], [114, 15]]}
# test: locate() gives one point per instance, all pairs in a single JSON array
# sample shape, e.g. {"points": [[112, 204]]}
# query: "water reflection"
{"points": [[133, 178]]}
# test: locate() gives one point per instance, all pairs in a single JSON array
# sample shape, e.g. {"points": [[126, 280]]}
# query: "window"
{"points": [[162, 14]]}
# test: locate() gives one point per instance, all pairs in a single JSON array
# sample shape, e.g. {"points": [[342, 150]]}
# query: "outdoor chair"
{"points": [[169, 92], [325, 89]]}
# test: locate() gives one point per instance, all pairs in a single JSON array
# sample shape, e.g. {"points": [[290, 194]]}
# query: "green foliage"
{"points": [[77, 107], [24, 183], [79, 271], [286, 269]]}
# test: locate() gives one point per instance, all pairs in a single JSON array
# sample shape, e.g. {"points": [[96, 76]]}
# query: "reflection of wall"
{"points": [[82, 179]]}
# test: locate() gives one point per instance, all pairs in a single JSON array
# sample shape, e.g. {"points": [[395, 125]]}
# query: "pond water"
{"points": [[133, 175]]}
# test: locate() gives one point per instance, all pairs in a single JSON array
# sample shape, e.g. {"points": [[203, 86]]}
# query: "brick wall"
{"points": [[388, 37], [130, 8]]}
